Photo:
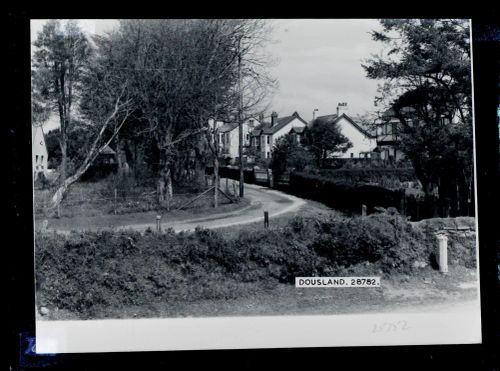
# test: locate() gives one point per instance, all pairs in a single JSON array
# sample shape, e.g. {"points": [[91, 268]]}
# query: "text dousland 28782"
{"points": [[337, 281]]}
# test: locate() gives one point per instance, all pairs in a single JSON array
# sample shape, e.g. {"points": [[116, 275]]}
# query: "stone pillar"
{"points": [[443, 252]]}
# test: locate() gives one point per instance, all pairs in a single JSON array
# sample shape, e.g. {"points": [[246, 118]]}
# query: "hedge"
{"points": [[341, 195], [234, 173], [86, 271]]}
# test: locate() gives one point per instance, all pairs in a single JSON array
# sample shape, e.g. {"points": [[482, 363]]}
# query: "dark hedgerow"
{"points": [[87, 270], [387, 239]]}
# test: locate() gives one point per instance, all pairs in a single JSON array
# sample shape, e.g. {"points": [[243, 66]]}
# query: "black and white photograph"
{"points": [[253, 183]]}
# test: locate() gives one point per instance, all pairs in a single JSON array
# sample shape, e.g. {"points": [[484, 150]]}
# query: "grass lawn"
{"points": [[111, 220], [91, 204]]}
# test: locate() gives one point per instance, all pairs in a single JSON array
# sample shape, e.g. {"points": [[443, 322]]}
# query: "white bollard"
{"points": [[158, 225], [443, 253]]}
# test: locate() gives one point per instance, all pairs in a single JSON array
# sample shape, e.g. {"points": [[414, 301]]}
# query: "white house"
{"points": [[264, 136], [363, 141], [228, 135], [39, 151]]}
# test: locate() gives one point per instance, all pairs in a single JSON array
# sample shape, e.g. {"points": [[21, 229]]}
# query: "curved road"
{"points": [[261, 199]]}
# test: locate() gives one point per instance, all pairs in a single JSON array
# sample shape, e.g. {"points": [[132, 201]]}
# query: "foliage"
{"points": [[389, 240], [391, 178], [86, 270], [79, 137], [324, 139], [181, 73], [427, 87], [289, 155], [59, 59], [342, 195]]}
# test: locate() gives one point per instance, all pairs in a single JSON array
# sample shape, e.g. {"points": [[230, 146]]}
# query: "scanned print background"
{"points": [[195, 168]]}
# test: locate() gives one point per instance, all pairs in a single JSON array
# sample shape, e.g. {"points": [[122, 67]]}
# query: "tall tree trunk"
{"points": [[170, 193], [164, 187], [216, 182], [118, 156], [64, 158], [63, 188]]}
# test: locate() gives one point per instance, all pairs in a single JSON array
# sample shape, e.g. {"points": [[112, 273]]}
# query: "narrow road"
{"points": [[261, 199]]}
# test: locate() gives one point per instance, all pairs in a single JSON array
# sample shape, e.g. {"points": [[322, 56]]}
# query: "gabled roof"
{"points": [[327, 118], [334, 118], [107, 151], [281, 122], [34, 130], [228, 127], [298, 130]]}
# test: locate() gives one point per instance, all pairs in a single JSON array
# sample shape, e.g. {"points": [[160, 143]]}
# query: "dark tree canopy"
{"points": [[426, 85], [288, 154], [325, 139]]}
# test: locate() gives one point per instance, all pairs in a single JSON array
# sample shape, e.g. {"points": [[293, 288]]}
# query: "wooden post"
{"points": [[443, 252], [270, 178], [158, 226], [363, 210], [115, 199], [266, 219], [227, 185]]}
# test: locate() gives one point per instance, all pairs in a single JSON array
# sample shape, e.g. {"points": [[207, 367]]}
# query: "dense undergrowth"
{"points": [[85, 270]]}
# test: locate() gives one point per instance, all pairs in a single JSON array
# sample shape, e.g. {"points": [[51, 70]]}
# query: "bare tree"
{"points": [[107, 105], [61, 53]]}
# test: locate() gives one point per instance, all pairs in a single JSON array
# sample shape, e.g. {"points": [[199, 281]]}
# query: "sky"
{"points": [[317, 64]]}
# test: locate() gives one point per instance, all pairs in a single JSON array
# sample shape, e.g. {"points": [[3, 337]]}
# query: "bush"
{"points": [[84, 271], [387, 239], [341, 195]]}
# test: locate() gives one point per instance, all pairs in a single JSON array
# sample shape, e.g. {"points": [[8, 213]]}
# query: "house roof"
{"points": [[228, 127], [107, 151], [334, 118], [281, 122], [298, 130], [391, 114], [34, 130]]}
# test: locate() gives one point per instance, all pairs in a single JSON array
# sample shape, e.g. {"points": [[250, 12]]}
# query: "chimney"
{"points": [[341, 108], [274, 118]]}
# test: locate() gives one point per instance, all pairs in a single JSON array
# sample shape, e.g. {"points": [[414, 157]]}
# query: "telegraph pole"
{"points": [[240, 123]]}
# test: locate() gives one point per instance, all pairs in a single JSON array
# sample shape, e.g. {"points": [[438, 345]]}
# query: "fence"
{"points": [[253, 176], [83, 200], [349, 195]]}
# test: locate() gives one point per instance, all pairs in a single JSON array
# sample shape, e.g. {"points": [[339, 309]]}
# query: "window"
{"points": [[36, 160], [251, 123], [248, 137], [268, 154], [352, 155], [41, 160], [268, 139]]}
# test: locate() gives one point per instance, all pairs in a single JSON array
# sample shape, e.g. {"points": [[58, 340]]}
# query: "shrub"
{"points": [[87, 270], [342, 195], [388, 239]]}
